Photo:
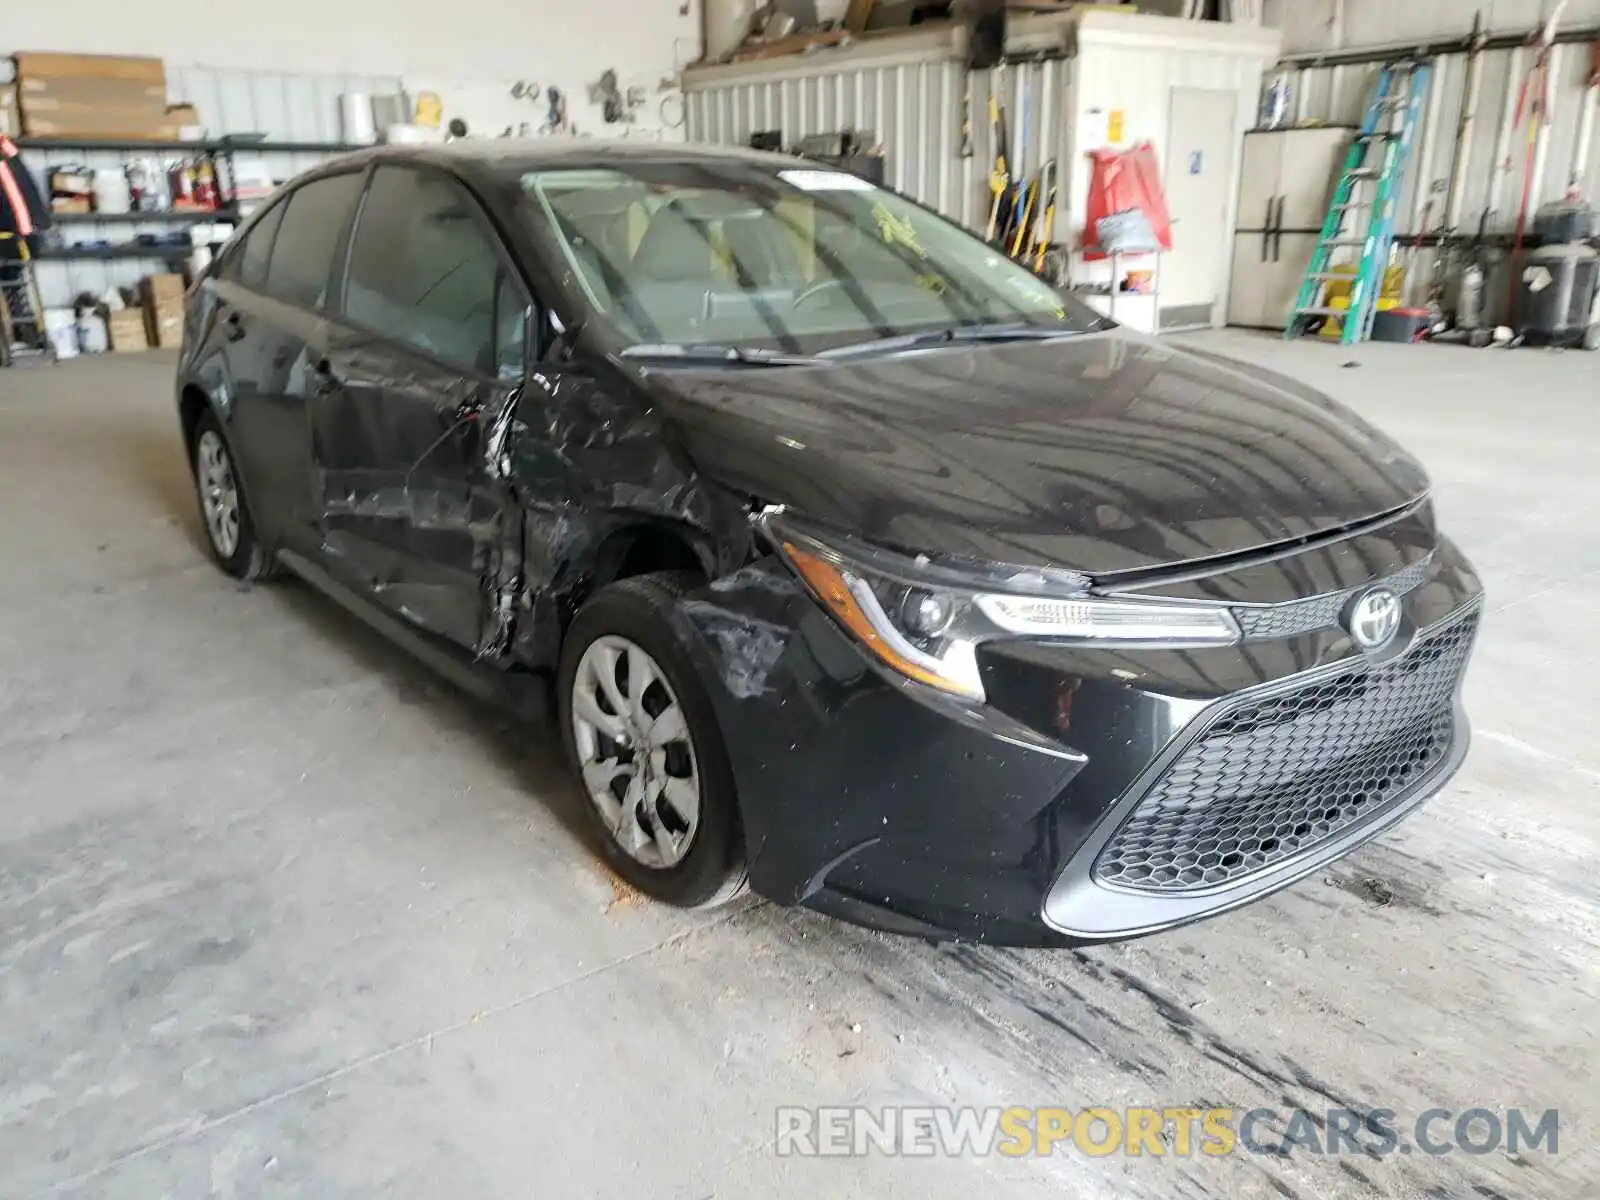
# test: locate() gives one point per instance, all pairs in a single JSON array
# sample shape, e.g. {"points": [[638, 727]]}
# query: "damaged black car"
{"points": [[867, 570]]}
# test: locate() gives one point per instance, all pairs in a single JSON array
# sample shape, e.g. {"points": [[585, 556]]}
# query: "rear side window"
{"points": [[424, 271], [307, 237], [257, 249]]}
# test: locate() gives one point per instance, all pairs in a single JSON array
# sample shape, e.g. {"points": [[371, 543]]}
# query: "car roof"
{"points": [[513, 156]]}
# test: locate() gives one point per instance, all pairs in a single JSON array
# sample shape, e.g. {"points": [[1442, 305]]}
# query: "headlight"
{"points": [[920, 621], [1110, 620]]}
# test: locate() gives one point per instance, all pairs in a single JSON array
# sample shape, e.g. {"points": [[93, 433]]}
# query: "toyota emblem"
{"points": [[1374, 619]]}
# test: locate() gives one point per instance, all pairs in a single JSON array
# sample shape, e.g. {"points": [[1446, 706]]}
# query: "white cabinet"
{"points": [[1268, 269], [1309, 161], [1287, 181]]}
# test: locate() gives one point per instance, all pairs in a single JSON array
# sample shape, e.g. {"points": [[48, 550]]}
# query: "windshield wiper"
{"points": [[958, 333], [711, 352]]}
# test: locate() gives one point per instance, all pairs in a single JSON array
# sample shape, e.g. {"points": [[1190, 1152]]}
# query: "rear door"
{"points": [[271, 294], [245, 338], [424, 351], [299, 284]]}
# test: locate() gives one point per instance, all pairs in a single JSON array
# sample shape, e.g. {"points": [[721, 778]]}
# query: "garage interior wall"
{"points": [[1350, 24], [280, 69], [1497, 155], [463, 41], [1115, 86]]}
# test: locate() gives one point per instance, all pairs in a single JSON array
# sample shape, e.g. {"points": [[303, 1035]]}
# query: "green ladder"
{"points": [[1377, 157]]}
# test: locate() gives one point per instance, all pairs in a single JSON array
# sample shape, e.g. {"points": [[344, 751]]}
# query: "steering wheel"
{"points": [[821, 288]]}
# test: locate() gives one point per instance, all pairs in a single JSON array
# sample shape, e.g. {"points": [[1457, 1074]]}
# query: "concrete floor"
{"points": [[278, 917]]}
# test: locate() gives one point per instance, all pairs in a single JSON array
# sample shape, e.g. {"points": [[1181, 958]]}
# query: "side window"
{"points": [[510, 330], [424, 272], [250, 263], [308, 234]]}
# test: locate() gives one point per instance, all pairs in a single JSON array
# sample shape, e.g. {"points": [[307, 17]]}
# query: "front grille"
{"points": [[1277, 775], [1320, 612]]}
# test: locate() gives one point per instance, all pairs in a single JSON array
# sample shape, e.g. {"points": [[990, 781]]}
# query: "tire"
{"points": [[232, 540], [639, 803]]}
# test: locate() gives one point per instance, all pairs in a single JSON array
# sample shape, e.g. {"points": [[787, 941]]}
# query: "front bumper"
{"points": [[887, 804]]}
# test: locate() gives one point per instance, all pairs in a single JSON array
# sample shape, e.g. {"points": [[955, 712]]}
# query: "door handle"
{"points": [[235, 323], [1277, 228], [1266, 229]]}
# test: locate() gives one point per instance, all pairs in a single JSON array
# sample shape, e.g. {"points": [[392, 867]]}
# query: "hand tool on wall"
{"points": [[1047, 213], [966, 119], [1020, 203], [1027, 200], [1577, 180], [1533, 99], [1000, 172]]}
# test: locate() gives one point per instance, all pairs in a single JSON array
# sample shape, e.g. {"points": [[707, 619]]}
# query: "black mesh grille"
{"points": [[1275, 776], [1319, 612]]}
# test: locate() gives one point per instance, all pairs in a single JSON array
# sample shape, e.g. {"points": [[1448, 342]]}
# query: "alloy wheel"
{"points": [[635, 752], [219, 493]]}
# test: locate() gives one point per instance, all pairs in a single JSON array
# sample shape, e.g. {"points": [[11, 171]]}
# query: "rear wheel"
{"points": [[230, 531], [643, 739]]}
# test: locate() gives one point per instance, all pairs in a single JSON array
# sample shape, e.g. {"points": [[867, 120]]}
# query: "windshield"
{"points": [[747, 256]]}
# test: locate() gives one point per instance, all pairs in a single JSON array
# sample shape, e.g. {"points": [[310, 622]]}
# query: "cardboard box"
{"points": [[161, 297], [182, 124], [124, 67], [126, 330], [164, 328], [92, 95], [10, 114], [162, 290]]}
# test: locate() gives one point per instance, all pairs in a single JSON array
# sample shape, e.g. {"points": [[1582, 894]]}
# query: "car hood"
{"points": [[1101, 453]]}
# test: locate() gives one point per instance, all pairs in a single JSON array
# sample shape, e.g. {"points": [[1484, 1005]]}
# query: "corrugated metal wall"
{"points": [[286, 107], [1497, 151], [914, 105]]}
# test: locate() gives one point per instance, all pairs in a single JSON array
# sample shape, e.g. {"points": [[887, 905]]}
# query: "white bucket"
{"points": [[92, 334], [355, 118], [61, 326], [111, 191]]}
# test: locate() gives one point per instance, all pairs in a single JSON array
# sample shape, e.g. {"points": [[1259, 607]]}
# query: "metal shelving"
{"points": [[178, 216], [115, 251], [204, 146]]}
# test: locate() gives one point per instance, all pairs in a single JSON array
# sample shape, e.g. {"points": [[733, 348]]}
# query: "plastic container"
{"points": [[1559, 294], [1276, 96], [61, 327], [91, 329], [356, 118], [1564, 221], [111, 191], [1401, 325]]}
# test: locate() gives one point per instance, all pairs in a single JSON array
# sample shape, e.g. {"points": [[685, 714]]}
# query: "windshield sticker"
{"points": [[825, 181]]}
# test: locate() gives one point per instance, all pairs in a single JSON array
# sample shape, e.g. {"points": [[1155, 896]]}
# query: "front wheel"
{"points": [[643, 739]]}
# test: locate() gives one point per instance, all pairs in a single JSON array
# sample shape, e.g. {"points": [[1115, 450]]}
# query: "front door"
{"points": [[1201, 144], [424, 355]]}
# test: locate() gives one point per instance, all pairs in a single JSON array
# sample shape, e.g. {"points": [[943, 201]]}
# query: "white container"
{"points": [[111, 191], [61, 326], [356, 120], [92, 338], [407, 135]]}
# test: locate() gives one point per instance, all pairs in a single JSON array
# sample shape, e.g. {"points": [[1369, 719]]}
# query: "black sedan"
{"points": [[868, 570]]}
